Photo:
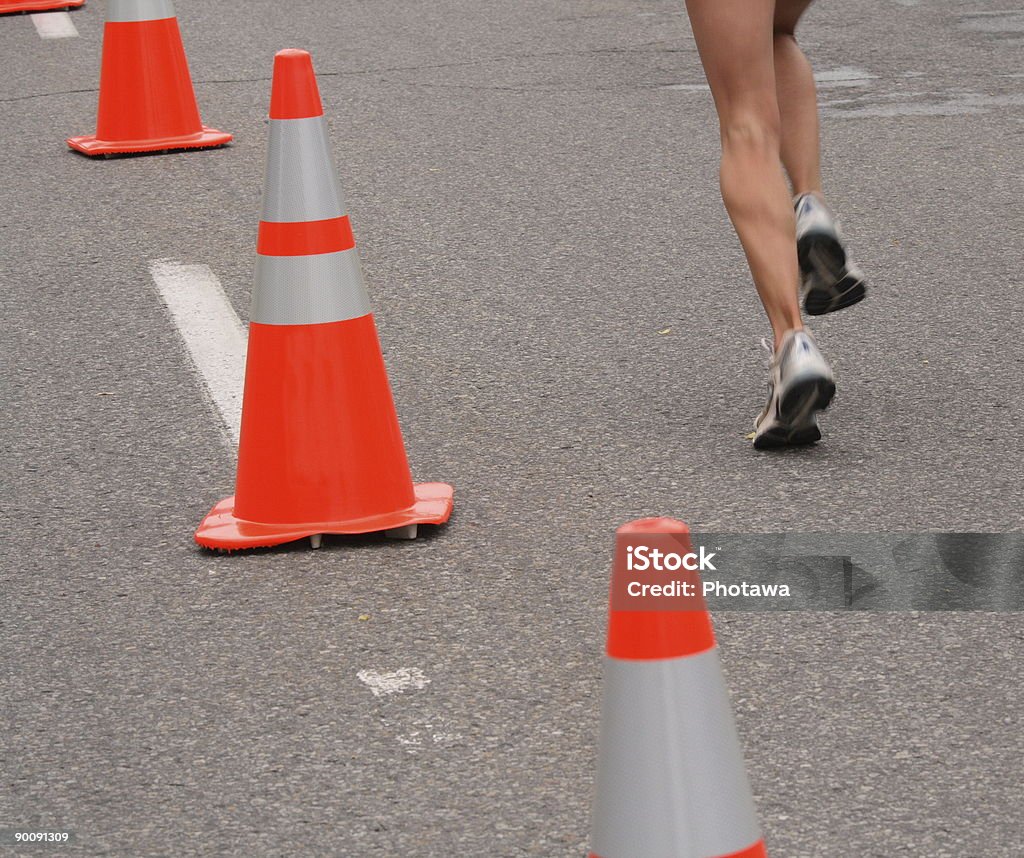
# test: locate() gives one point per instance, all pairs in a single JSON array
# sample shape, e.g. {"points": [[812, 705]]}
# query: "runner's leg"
{"points": [[798, 101], [736, 45], [830, 281]]}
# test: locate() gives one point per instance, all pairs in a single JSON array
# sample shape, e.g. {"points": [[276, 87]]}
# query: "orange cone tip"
{"points": [[655, 634], [294, 93]]}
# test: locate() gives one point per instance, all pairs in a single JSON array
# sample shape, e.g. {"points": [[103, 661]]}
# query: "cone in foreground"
{"points": [[671, 781]]}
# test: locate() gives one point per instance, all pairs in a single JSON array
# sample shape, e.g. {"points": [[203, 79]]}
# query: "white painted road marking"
{"points": [[418, 738], [436, 732], [211, 330], [54, 25], [395, 682], [843, 76]]}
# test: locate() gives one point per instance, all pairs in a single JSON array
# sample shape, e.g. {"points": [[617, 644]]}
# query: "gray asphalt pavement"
{"points": [[572, 340]]}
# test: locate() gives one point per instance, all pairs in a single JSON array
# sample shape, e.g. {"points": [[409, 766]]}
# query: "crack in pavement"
{"points": [[632, 49]]}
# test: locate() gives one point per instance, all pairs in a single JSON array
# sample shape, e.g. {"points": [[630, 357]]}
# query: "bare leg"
{"points": [[832, 281], [798, 101], [735, 41]]}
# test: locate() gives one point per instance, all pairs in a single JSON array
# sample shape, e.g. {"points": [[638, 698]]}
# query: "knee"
{"points": [[754, 132], [784, 38]]}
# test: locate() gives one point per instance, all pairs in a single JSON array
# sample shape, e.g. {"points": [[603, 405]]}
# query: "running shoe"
{"points": [[829, 281], [800, 384]]}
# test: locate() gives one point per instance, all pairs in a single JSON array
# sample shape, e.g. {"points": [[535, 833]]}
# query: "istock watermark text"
{"points": [[641, 558]]}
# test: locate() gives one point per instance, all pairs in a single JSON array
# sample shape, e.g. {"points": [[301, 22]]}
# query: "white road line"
{"points": [[212, 332], [54, 25]]}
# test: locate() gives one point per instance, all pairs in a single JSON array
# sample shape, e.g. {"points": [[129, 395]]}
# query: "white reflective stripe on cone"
{"points": [[671, 781], [309, 290], [139, 10], [301, 184]]}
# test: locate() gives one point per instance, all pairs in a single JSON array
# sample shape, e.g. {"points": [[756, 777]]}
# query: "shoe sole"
{"points": [[824, 255], [804, 398], [796, 426], [772, 439]]}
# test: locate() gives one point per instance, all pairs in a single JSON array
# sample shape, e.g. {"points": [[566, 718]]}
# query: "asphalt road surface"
{"points": [[572, 340]]}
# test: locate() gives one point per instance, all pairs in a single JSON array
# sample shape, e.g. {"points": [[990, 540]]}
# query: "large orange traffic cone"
{"points": [[146, 103], [7, 6], [671, 781], [320, 449]]}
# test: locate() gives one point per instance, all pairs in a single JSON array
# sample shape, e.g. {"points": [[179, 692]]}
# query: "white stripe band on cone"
{"points": [[671, 780], [309, 290], [139, 10], [301, 184]]}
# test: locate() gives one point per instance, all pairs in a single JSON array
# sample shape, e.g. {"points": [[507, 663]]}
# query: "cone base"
{"points": [[755, 851], [205, 139], [221, 529], [39, 5]]}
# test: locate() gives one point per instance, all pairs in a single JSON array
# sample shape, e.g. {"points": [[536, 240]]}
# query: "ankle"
{"points": [[781, 333], [813, 189]]}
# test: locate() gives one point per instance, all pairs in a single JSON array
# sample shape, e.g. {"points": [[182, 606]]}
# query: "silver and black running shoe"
{"points": [[800, 384], [829, 280]]}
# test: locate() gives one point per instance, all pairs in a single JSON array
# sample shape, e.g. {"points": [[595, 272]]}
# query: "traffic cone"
{"points": [[146, 102], [671, 781], [320, 448], [8, 6]]}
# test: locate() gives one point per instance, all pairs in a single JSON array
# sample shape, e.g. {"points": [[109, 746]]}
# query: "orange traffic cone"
{"points": [[671, 781], [7, 6], [320, 449], [146, 103]]}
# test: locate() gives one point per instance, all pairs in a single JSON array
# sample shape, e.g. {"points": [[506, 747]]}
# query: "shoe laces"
{"points": [[769, 347]]}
